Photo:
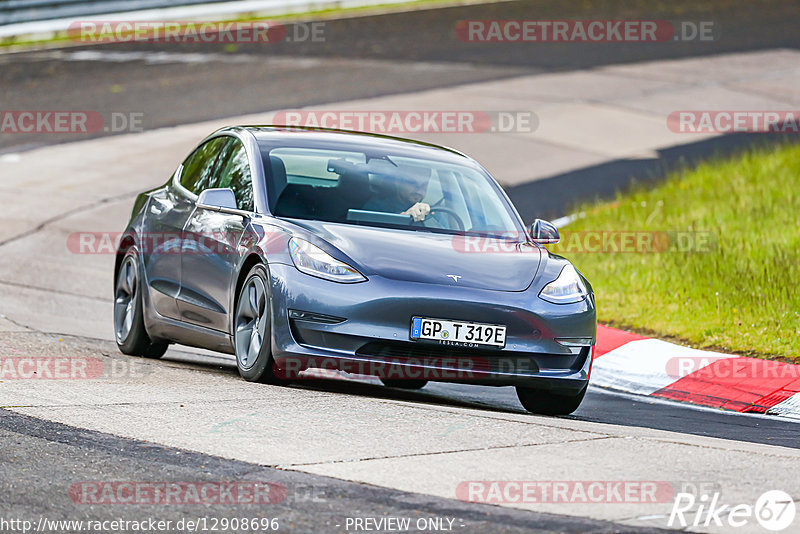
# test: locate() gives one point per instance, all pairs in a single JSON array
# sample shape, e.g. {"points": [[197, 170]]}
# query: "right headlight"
{"points": [[566, 289], [312, 260]]}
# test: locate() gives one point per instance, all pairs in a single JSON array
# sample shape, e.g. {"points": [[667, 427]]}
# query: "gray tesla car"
{"points": [[299, 250]]}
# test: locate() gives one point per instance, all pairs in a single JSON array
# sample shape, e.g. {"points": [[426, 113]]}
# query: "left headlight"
{"points": [[312, 260], [566, 289]]}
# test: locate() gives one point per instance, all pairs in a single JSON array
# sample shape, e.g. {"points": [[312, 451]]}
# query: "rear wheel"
{"points": [[129, 329], [548, 403], [404, 384], [253, 329]]}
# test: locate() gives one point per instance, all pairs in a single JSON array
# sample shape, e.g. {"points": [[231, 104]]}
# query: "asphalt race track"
{"points": [[340, 448]]}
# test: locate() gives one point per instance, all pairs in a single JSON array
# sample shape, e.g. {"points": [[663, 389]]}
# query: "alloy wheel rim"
{"points": [[125, 299], [252, 315]]}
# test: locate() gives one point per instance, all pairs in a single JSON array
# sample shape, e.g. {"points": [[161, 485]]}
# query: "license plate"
{"points": [[458, 332]]}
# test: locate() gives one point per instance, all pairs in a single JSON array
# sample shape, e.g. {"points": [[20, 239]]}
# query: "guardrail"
{"points": [[14, 11]]}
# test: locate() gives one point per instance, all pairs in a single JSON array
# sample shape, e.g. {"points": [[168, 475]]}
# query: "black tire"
{"points": [[255, 364], [548, 403], [129, 330], [404, 384]]}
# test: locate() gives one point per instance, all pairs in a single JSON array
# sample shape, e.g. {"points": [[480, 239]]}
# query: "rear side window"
{"points": [[234, 172], [198, 169]]}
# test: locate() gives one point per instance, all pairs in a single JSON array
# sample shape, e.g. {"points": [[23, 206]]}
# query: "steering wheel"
{"points": [[455, 217]]}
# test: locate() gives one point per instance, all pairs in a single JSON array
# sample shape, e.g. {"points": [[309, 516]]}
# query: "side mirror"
{"points": [[544, 232], [221, 199]]}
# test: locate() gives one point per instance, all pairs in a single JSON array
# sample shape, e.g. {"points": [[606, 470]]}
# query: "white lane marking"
{"points": [[157, 57], [151, 57], [647, 365], [561, 222]]}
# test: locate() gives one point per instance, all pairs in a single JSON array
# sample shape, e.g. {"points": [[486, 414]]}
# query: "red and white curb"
{"points": [[636, 364]]}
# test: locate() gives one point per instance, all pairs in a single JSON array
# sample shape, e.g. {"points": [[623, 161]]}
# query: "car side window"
{"points": [[198, 169], [235, 173]]}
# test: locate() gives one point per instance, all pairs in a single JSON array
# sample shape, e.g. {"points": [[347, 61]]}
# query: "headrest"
{"points": [[278, 172]]}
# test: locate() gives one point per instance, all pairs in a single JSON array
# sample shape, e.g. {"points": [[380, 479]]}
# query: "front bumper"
{"points": [[374, 336]]}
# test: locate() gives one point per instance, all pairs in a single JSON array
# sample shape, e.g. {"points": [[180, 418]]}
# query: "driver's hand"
{"points": [[418, 211]]}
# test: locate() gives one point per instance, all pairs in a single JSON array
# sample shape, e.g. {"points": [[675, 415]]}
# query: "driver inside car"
{"points": [[405, 197]]}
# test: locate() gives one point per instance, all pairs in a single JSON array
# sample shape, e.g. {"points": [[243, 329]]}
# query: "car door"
{"points": [[211, 254], [166, 215]]}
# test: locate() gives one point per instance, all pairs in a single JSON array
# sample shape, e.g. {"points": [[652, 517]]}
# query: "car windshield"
{"points": [[387, 190]]}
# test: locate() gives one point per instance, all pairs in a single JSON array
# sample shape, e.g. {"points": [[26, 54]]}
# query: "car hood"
{"points": [[427, 257]]}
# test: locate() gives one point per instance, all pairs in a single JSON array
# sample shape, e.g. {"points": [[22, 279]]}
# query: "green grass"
{"points": [[743, 294]]}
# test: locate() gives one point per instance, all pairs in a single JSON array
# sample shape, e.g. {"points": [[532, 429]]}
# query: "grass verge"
{"points": [[713, 255]]}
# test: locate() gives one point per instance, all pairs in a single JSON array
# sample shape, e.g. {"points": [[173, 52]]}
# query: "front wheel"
{"points": [[252, 329], [548, 403], [129, 329]]}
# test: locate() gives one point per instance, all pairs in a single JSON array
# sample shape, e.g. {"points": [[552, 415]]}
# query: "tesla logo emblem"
{"points": [[455, 277]]}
